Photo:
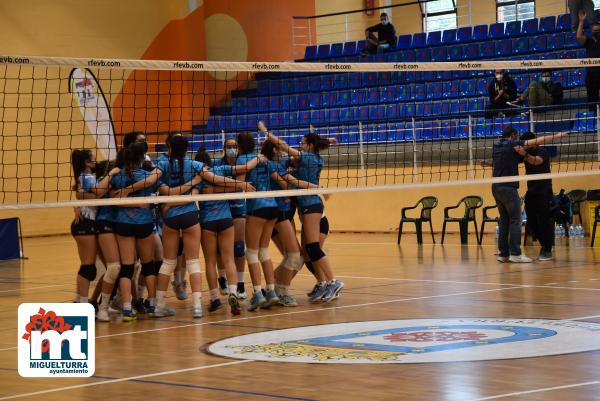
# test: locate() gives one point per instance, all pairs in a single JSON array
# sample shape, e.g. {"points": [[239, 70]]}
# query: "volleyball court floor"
{"points": [[431, 296]]}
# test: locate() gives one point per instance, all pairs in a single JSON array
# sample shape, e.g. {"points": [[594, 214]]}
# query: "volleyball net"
{"points": [[392, 125]]}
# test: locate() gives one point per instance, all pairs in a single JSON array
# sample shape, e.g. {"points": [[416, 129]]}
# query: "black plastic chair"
{"points": [[428, 203], [596, 221], [577, 196], [471, 203], [487, 219]]}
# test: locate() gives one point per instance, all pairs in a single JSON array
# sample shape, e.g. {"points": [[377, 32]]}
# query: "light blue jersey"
{"points": [[260, 178], [174, 175], [86, 182], [309, 170], [237, 206], [281, 168], [215, 209], [133, 215]]}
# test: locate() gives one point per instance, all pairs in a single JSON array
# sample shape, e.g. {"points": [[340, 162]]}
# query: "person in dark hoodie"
{"points": [[501, 90]]}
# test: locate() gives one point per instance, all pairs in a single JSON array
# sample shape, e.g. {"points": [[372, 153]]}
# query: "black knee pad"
{"points": [[148, 269], [239, 249], [126, 271], [88, 272], [314, 251], [157, 265], [310, 266]]}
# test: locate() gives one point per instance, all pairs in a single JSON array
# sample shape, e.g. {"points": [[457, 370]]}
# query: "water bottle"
{"points": [[561, 231], [580, 231], [572, 232]]}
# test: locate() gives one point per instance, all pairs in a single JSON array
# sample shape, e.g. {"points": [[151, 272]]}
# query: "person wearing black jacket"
{"points": [[592, 50], [501, 90], [385, 39], [541, 93]]}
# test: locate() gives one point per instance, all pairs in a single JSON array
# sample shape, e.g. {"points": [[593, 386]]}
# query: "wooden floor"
{"points": [[166, 358]]}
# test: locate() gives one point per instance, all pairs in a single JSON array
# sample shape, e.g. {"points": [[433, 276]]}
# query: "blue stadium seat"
{"points": [[513, 28], [327, 82], [561, 76], [563, 23], [211, 123], [275, 120], [391, 111], [290, 119], [482, 87], [275, 87], [449, 36], [419, 92], [451, 90], [538, 43], [387, 94], [487, 49], [476, 105], [296, 137], [471, 51], [570, 54], [431, 130], [585, 121], [581, 53], [314, 83], [548, 24], [360, 45], [340, 81], [372, 96], [319, 116], [303, 101], [252, 105], [521, 123], [448, 129], [358, 97], [229, 123], [459, 106], [556, 41], [520, 45], [499, 124], [329, 99], [480, 32], [468, 87], [456, 53], [337, 50], [239, 105], [362, 113], [403, 93], [304, 117], [522, 82], [377, 112], [263, 104], [434, 38], [310, 53], [504, 47], [287, 86], [404, 42], [441, 108], [570, 40], [290, 102], [497, 31], [334, 115], [315, 100], [369, 78], [530, 27], [408, 56], [323, 51], [439, 54], [576, 78], [262, 87], [481, 127], [301, 84], [349, 48], [355, 80], [465, 34], [275, 103], [344, 98], [423, 109], [419, 40], [423, 55], [408, 109]]}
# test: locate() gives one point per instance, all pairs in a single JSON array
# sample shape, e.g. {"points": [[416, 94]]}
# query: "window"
{"points": [[515, 10], [596, 3], [439, 15]]}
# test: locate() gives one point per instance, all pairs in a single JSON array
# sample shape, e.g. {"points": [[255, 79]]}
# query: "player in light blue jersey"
{"points": [[310, 164]]}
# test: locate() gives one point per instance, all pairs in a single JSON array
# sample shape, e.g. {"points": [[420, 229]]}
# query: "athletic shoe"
{"points": [[519, 259], [197, 312], [241, 291], [215, 304], [102, 315], [115, 304], [150, 310], [287, 300], [545, 256], [128, 315], [258, 300], [163, 312], [312, 292], [180, 289], [138, 305], [272, 299], [319, 292], [94, 304], [223, 286], [502, 259], [333, 290], [234, 304]]}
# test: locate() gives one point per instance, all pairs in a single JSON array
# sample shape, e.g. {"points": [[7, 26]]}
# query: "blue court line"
{"points": [[194, 386]]}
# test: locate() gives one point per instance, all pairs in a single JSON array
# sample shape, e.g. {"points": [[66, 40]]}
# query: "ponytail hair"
{"points": [[246, 143], [317, 142], [268, 149], [133, 157], [78, 159], [203, 156], [178, 146]]}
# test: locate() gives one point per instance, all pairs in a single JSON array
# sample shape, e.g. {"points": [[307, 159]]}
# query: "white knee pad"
{"points": [[252, 256], [112, 272], [294, 261], [193, 266], [263, 254], [168, 267]]}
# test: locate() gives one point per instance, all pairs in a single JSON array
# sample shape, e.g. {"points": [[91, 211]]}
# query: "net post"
{"points": [[598, 129], [531, 121], [415, 159], [223, 138], [361, 150], [470, 147]]}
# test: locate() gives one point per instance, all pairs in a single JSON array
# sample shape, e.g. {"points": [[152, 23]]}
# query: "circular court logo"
{"points": [[415, 341]]}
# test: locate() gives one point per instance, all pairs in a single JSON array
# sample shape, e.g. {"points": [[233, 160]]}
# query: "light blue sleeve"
{"points": [[87, 182]]}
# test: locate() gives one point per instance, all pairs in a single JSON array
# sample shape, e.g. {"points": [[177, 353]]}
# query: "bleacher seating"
{"points": [[388, 101]]}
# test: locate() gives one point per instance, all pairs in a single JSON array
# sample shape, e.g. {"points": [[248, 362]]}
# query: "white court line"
{"points": [[539, 390], [167, 372], [585, 317], [36, 288]]}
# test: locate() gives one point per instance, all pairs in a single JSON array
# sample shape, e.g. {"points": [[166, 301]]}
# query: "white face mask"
{"points": [[499, 77], [385, 22], [545, 79], [231, 153]]}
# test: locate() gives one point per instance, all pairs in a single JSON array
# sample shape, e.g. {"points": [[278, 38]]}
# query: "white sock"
{"points": [[221, 272], [214, 294], [196, 299], [160, 299], [240, 277], [76, 297], [278, 289], [126, 305], [332, 281], [323, 282], [152, 301], [270, 287], [104, 300], [285, 289], [141, 289], [232, 289], [257, 288], [83, 300]]}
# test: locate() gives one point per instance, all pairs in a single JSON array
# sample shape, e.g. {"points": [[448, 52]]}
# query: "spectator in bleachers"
{"points": [[385, 39], [501, 91], [578, 6], [541, 93], [592, 50]]}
